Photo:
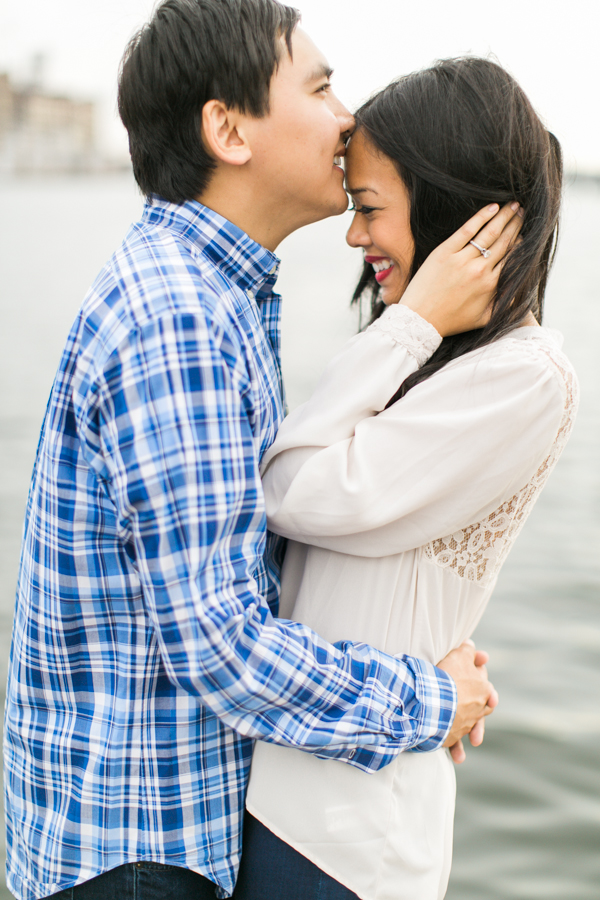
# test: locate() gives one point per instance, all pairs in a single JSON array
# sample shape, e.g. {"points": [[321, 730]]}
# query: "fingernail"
{"points": [[521, 212], [493, 207], [514, 206]]}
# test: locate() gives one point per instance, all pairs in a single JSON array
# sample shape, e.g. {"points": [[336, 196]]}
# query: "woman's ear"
{"points": [[224, 135]]}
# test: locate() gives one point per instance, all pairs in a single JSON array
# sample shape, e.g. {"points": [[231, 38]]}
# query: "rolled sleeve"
{"points": [[431, 711]]}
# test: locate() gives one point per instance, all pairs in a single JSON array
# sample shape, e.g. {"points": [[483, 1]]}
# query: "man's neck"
{"points": [[265, 219]]}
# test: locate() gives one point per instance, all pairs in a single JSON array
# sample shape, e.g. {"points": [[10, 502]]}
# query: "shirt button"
{"points": [[250, 294], [273, 270], [352, 754]]}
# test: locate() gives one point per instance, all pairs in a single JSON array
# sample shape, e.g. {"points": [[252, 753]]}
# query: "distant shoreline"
{"points": [[582, 178], [571, 177]]}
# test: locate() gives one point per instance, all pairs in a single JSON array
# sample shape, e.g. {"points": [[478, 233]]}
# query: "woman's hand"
{"points": [[454, 287]]}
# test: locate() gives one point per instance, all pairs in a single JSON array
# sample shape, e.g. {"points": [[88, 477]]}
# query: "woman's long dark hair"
{"points": [[463, 134]]}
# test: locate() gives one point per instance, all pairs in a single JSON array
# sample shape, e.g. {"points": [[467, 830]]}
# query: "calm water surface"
{"points": [[528, 814]]}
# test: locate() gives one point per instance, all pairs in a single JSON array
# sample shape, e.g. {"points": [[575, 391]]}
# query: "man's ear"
{"points": [[224, 134]]}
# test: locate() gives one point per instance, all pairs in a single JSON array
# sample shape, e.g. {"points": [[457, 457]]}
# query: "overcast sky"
{"points": [[552, 49]]}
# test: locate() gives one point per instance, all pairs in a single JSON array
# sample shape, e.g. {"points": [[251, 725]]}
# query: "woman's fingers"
{"points": [[497, 234], [512, 244], [470, 229], [488, 224], [455, 286], [505, 241]]}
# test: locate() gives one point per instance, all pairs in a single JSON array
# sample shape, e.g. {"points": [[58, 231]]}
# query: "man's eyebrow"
{"points": [[322, 71]]}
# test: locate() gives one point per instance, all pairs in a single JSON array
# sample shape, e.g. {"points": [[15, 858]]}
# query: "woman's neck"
{"points": [[529, 320]]}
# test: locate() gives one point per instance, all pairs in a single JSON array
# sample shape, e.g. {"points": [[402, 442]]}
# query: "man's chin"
{"points": [[342, 206], [336, 206]]}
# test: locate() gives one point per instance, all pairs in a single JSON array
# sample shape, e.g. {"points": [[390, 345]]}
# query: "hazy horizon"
{"points": [[553, 56]]}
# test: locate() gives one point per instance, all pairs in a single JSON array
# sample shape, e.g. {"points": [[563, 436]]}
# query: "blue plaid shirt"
{"points": [[146, 657]]}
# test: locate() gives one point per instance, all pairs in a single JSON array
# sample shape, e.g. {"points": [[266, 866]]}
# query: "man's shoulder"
{"points": [[154, 274]]}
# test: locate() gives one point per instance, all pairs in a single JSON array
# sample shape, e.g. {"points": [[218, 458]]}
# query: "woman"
{"points": [[405, 479]]}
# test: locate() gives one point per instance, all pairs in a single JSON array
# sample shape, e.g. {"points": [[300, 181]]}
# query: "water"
{"points": [[528, 814]]}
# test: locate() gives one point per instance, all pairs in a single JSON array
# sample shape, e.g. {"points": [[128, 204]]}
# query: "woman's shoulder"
{"points": [[531, 352], [539, 342]]}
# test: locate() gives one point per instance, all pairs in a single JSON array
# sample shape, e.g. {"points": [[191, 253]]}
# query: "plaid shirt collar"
{"points": [[253, 268]]}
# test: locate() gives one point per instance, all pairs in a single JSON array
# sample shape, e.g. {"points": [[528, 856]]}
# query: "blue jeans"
{"points": [[272, 870], [142, 881]]}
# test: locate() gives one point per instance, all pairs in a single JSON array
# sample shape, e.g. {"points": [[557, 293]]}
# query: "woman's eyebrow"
{"points": [[362, 190]]}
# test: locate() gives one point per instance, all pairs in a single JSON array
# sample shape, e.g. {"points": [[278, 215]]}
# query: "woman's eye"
{"points": [[363, 210], [324, 88]]}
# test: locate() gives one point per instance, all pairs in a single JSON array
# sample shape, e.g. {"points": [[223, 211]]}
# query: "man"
{"points": [[146, 658]]}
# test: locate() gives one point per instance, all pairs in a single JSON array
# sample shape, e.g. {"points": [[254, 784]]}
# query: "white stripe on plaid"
{"points": [[145, 655]]}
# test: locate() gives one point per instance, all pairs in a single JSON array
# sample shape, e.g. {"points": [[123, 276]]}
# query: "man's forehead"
{"points": [[307, 60]]}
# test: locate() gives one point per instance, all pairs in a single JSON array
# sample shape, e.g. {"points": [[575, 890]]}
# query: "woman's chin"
{"points": [[392, 293], [389, 297]]}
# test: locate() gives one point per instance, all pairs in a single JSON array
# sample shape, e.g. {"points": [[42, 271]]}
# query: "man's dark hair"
{"points": [[193, 51]]}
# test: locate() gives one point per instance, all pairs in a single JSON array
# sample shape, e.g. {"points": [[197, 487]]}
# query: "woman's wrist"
{"points": [[410, 330]]}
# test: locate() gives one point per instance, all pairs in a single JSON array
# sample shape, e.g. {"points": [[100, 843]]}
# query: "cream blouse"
{"points": [[399, 520]]}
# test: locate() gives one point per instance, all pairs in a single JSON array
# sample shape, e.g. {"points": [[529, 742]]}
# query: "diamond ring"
{"points": [[485, 253]]}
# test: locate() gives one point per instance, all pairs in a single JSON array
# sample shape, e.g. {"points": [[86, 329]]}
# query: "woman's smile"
{"points": [[382, 266]]}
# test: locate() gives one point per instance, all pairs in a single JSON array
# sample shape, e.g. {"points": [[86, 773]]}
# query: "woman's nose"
{"points": [[356, 235]]}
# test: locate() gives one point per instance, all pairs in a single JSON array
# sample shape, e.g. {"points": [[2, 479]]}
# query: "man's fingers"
{"points": [[491, 704], [457, 752], [468, 647], [493, 699], [477, 733], [477, 697], [483, 670]]}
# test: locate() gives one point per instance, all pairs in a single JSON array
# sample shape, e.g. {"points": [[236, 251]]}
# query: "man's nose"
{"points": [[345, 118]]}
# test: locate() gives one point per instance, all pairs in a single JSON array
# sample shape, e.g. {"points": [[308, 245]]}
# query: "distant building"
{"points": [[41, 133], [6, 105]]}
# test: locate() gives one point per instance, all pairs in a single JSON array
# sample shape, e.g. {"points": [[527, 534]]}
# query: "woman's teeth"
{"points": [[337, 160], [381, 265]]}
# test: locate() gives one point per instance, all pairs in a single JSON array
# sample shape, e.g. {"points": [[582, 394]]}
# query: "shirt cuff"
{"points": [[368, 759], [407, 328], [438, 696], [431, 711]]}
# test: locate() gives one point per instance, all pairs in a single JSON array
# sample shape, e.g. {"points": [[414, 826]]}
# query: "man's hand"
{"points": [[476, 696], [454, 287], [477, 732]]}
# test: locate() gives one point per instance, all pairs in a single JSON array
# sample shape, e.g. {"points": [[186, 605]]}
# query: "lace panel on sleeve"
{"points": [[407, 328], [478, 551]]}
